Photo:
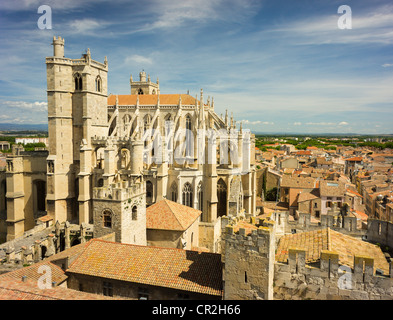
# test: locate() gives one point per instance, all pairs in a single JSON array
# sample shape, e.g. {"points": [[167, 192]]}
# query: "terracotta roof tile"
{"points": [[165, 267], [169, 215], [327, 239], [31, 272], [151, 99], [12, 289]]}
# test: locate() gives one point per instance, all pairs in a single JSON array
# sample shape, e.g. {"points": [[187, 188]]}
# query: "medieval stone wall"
{"points": [[329, 281]]}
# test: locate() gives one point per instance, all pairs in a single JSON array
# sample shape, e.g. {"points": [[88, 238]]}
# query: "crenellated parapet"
{"points": [[330, 280], [248, 257], [119, 191]]}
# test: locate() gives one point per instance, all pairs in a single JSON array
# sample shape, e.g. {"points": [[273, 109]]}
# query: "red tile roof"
{"points": [[303, 153], [327, 239], [164, 267], [151, 99], [12, 289], [32, 272], [169, 215]]}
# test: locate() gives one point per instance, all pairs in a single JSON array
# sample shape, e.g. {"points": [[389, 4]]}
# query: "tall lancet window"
{"points": [[98, 84], [78, 81], [222, 198], [189, 135], [174, 192], [187, 194], [200, 198]]}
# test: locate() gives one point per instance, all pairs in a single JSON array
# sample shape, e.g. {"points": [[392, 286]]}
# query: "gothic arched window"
{"points": [[187, 194], [134, 213], [146, 122], [78, 81], [174, 192], [140, 91], [200, 198], [222, 198], [98, 84], [149, 192], [107, 219], [189, 135]]}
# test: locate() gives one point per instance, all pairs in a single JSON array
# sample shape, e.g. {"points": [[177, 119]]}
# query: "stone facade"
{"points": [[251, 271], [100, 144]]}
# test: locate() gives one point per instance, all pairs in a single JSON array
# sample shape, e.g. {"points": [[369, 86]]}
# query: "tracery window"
{"points": [[187, 194]]}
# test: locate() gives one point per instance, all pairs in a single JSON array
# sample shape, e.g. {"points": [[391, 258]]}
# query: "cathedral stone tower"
{"points": [[77, 111], [144, 86]]}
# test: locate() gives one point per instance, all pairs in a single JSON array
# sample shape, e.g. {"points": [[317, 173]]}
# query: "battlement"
{"points": [[331, 280], [257, 236], [119, 191]]}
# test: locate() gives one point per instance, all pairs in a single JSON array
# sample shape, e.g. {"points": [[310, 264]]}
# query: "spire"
{"points": [[231, 119], [226, 117]]}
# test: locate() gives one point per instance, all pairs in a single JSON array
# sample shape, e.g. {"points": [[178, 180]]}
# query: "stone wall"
{"points": [[249, 263], [379, 231], [303, 224], [209, 235], [329, 281]]}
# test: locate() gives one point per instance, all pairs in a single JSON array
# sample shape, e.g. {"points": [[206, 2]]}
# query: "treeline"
{"points": [[325, 143], [27, 146]]}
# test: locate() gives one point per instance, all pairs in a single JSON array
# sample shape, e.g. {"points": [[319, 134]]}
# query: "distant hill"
{"points": [[23, 127]]}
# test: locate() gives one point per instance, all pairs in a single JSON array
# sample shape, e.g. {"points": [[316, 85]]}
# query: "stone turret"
{"points": [[249, 262], [58, 47]]}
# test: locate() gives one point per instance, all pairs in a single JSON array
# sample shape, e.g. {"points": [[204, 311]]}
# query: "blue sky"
{"points": [[279, 66]]}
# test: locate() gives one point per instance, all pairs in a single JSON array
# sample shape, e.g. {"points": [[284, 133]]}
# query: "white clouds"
{"points": [[297, 123], [320, 123], [373, 26], [342, 123], [257, 122], [387, 65], [30, 106], [22, 5], [86, 26], [172, 14], [138, 59]]}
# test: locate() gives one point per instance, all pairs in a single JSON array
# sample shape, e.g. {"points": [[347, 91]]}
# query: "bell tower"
{"points": [[77, 111], [144, 86]]}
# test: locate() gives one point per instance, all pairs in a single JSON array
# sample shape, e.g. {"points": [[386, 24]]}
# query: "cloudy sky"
{"points": [[279, 66]]}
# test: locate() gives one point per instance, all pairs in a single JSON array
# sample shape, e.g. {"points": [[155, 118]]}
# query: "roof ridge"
{"points": [[169, 205]]}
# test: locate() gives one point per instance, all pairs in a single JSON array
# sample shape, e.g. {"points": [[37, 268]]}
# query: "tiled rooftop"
{"points": [[165, 267], [169, 215], [32, 272], [327, 239], [151, 99], [12, 289]]}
